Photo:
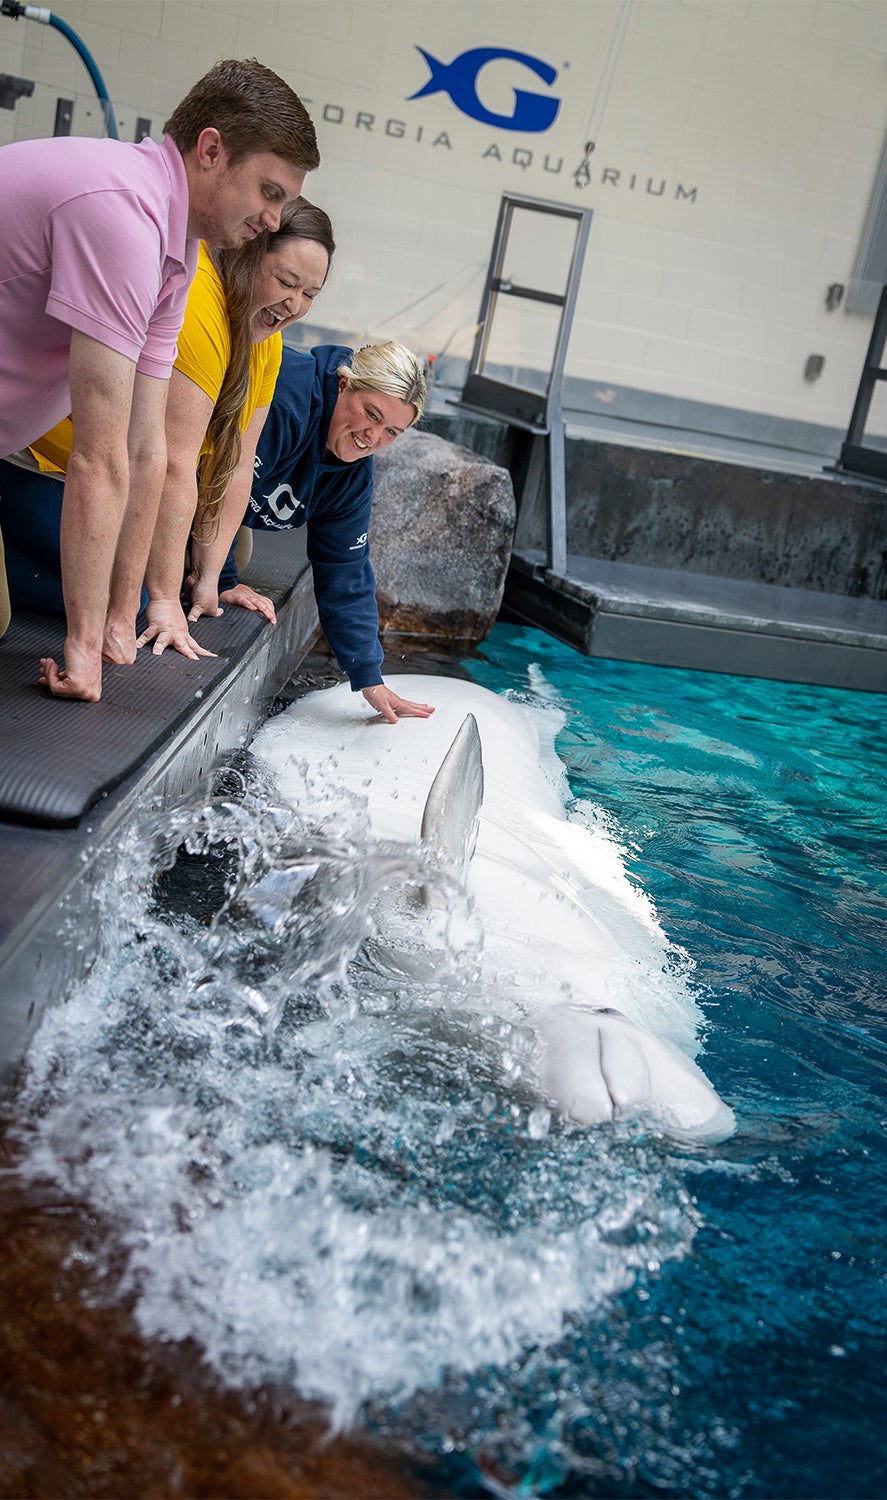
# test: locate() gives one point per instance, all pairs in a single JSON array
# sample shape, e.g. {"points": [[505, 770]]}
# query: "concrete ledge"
{"points": [[675, 619]]}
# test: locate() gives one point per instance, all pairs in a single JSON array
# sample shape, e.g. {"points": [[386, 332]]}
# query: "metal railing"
{"points": [[530, 400], [857, 456]]}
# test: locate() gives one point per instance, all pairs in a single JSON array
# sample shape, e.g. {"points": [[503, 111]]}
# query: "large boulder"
{"points": [[440, 538]]}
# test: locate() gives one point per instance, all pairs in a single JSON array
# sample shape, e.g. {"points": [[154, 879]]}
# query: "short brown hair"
{"points": [[252, 109]]}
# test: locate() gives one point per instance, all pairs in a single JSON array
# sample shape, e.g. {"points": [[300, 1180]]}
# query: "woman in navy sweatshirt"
{"points": [[332, 410]]}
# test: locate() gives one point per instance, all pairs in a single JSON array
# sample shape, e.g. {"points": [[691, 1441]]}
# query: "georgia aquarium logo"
{"points": [[532, 112]]}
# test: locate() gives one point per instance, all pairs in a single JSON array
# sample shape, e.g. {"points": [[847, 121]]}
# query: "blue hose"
{"points": [[93, 71], [14, 9]]}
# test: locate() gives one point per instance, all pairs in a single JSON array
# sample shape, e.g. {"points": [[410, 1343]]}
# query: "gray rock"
{"points": [[440, 539]]}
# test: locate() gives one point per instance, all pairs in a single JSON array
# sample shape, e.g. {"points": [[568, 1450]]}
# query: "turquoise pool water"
{"points": [[755, 818], [344, 1186]]}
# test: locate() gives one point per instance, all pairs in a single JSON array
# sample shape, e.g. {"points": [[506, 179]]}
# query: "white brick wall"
{"points": [[772, 110]]}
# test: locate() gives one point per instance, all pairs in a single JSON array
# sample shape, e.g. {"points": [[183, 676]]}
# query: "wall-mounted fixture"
{"points": [[834, 296], [12, 89], [64, 116], [857, 456], [813, 367]]}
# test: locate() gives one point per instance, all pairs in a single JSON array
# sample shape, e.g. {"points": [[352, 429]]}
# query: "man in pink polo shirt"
{"points": [[98, 252]]}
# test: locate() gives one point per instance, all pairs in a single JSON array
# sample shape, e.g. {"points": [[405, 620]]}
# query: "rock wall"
{"points": [[663, 509]]}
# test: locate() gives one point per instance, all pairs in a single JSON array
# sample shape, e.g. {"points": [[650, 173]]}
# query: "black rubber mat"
{"points": [[58, 757]]}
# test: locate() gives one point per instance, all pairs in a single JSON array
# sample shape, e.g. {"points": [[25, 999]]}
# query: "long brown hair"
{"points": [[239, 271]]}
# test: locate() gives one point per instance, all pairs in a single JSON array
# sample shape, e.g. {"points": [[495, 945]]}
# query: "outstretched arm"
{"points": [[345, 590], [147, 469], [95, 497], [209, 558], [187, 417]]}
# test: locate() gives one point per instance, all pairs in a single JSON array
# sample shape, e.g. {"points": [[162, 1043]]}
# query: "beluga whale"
{"points": [[569, 945]]}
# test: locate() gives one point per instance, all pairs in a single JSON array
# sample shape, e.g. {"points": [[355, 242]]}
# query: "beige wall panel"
{"points": [[730, 181]]}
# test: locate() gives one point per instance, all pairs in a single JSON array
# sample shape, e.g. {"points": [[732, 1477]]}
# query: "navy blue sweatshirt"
{"points": [[297, 483]]}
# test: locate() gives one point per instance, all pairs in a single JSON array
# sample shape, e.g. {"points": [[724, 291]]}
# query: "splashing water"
{"points": [[323, 1177], [339, 1177]]}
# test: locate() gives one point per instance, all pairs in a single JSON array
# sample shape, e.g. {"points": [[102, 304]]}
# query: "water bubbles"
{"points": [[446, 1128]]}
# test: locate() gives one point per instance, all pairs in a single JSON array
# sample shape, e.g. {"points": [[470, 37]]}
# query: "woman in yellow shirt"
{"points": [[219, 393], [220, 390]]}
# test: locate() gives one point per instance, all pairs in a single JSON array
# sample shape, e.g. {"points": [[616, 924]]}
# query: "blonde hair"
{"points": [[389, 368], [239, 271]]}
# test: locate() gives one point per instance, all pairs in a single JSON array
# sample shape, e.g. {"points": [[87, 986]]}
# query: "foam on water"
{"points": [[327, 1173]]}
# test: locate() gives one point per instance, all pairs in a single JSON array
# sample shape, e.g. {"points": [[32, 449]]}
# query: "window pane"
{"points": [[521, 342], [540, 250]]}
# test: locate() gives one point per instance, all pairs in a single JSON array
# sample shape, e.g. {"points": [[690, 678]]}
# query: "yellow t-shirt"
{"points": [[204, 349]]}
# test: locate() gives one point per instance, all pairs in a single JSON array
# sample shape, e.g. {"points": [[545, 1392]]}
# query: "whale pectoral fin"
{"points": [[452, 809]]}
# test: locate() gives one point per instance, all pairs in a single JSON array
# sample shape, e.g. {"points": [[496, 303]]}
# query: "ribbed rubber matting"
{"points": [[58, 757]]}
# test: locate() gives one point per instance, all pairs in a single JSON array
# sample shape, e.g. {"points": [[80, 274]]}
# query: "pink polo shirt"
{"points": [[94, 239]]}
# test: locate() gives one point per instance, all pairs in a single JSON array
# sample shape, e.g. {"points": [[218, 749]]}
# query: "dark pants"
{"points": [[31, 522], [30, 519]]}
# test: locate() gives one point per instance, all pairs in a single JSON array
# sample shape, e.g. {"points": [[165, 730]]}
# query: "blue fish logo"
{"points": [[532, 112]]}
